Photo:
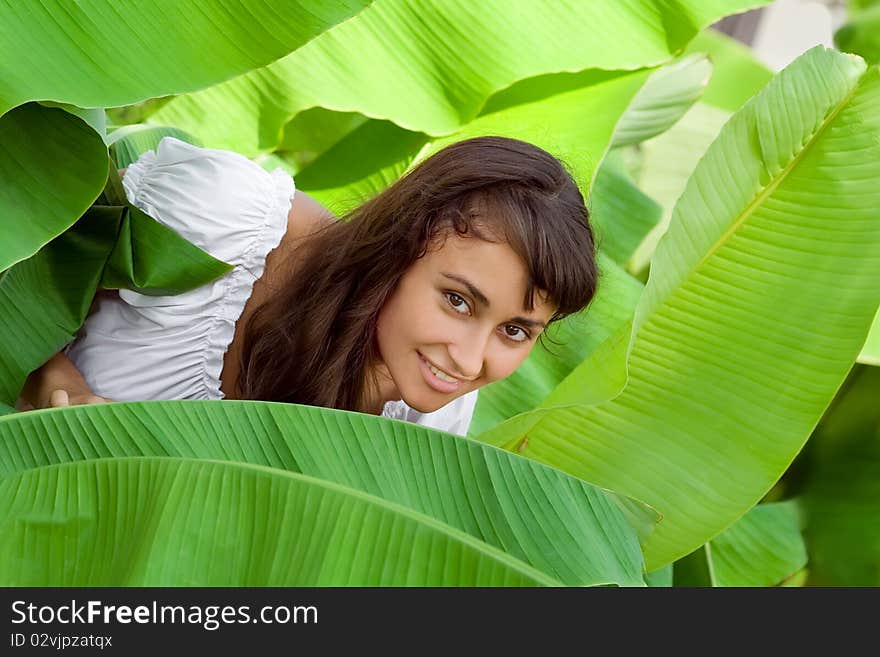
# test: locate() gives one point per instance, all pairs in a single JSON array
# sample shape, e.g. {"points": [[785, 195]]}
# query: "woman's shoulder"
{"points": [[217, 199], [307, 217]]}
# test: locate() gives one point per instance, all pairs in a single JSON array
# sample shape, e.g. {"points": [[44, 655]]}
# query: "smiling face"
{"points": [[457, 308]]}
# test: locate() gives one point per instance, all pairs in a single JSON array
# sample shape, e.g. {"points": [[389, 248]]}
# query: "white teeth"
{"points": [[442, 375]]}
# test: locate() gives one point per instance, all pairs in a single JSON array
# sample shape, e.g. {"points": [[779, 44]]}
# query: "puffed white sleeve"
{"points": [[138, 347], [219, 200]]}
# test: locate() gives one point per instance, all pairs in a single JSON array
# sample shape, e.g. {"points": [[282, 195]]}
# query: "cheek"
{"points": [[387, 327], [505, 362], [412, 322]]}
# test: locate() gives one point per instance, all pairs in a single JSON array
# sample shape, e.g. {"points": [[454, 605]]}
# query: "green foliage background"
{"points": [[708, 421]]}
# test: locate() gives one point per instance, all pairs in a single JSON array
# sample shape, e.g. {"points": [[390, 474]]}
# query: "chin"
{"points": [[425, 407], [424, 401]]}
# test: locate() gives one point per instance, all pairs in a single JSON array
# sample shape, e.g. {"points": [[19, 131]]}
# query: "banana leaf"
{"points": [[840, 488], [38, 202], [183, 522], [42, 300], [314, 131], [129, 142], [95, 117], [69, 52], [154, 260], [737, 74], [763, 548], [136, 112], [377, 153], [621, 214], [861, 35], [46, 298], [798, 579], [693, 570], [666, 96], [360, 165], [66, 56], [564, 527], [870, 354], [725, 378], [660, 578], [661, 102], [667, 161], [567, 345], [666, 165], [413, 63]]}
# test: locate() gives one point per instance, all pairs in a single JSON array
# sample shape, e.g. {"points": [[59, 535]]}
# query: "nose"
{"points": [[468, 353]]}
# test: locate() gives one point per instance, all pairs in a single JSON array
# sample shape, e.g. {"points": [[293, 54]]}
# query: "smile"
{"points": [[437, 378]]}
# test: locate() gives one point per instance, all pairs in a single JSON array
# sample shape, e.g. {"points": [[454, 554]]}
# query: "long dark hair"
{"points": [[315, 343]]}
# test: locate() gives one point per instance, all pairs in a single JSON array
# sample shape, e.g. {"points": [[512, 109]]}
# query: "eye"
{"points": [[523, 334], [457, 302]]}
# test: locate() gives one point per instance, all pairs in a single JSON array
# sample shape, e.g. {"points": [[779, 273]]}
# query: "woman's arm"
{"points": [[57, 383]]}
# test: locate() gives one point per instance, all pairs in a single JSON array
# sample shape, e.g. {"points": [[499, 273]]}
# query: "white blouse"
{"points": [[135, 347]]}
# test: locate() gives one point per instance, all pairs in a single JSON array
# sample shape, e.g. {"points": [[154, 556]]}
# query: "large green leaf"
{"points": [[737, 74], [839, 484], [861, 35], [694, 569], [70, 51], [38, 202], [429, 67], [360, 165], [777, 231], [129, 142], [377, 153], [314, 131], [762, 548], [578, 143], [567, 345], [561, 525], [135, 113], [180, 522], [621, 214], [666, 165], [45, 299], [154, 260], [51, 164], [666, 96], [95, 117], [661, 577], [870, 354], [667, 161]]}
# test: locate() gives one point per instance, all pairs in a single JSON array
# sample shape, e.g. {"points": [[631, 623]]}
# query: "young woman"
{"points": [[405, 307]]}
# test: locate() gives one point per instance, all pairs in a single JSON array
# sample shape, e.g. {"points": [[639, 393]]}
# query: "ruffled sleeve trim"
{"points": [[135, 173], [228, 206], [241, 280]]}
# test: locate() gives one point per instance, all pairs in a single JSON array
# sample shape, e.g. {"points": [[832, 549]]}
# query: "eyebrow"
{"points": [[479, 296]]}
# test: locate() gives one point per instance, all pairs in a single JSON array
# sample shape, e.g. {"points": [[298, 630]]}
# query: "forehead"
{"points": [[493, 267]]}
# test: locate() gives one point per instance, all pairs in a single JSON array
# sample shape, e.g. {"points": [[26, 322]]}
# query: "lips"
{"points": [[433, 381]]}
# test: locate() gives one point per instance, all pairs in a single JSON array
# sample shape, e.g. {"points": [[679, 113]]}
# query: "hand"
{"points": [[60, 398]]}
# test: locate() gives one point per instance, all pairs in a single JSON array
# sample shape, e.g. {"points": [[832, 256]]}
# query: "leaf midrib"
{"points": [[775, 181], [452, 532]]}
